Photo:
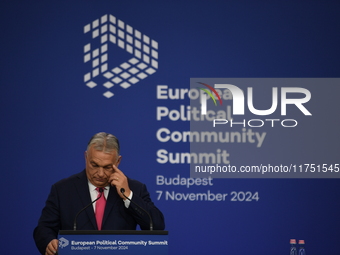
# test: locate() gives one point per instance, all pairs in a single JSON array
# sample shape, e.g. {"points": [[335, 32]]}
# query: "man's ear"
{"points": [[119, 159]]}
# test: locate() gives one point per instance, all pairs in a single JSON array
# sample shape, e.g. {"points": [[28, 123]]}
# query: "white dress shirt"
{"points": [[94, 195]]}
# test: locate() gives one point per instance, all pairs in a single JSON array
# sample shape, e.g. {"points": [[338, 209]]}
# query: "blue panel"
{"points": [[51, 51]]}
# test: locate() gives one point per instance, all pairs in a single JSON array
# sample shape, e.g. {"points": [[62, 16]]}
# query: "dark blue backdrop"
{"points": [[48, 114]]}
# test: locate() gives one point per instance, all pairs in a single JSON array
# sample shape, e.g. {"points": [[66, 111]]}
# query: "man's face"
{"points": [[99, 166]]}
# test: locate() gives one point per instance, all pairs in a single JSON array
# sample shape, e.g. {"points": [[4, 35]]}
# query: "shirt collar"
{"points": [[92, 187]]}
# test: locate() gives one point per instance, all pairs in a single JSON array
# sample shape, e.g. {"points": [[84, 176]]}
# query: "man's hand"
{"points": [[52, 247], [119, 180]]}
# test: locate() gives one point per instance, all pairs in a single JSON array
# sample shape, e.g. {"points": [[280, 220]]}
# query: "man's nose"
{"points": [[101, 171]]}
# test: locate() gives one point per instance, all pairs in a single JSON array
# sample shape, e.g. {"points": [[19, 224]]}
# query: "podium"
{"points": [[104, 242]]}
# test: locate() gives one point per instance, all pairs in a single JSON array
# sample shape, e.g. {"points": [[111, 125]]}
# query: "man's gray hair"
{"points": [[104, 142]]}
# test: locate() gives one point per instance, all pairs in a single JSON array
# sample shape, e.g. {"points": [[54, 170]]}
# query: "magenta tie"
{"points": [[100, 207]]}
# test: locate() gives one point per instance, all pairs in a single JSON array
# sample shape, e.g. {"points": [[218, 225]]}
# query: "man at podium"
{"points": [[119, 201]]}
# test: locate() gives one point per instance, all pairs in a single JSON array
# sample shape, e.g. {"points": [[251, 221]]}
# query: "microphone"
{"points": [[101, 191], [122, 190]]}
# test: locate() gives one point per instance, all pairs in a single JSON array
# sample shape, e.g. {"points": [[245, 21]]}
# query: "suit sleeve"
{"points": [[49, 223], [142, 198]]}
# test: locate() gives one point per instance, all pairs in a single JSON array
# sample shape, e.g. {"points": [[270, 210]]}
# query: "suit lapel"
{"points": [[111, 202], [84, 196]]}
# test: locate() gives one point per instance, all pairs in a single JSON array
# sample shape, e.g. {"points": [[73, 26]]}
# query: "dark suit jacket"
{"points": [[70, 195]]}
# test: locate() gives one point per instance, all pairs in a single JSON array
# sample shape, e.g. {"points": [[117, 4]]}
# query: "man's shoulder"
{"points": [[136, 185], [71, 179], [133, 181]]}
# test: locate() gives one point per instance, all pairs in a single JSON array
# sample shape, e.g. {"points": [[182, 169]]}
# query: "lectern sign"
{"points": [[125, 242]]}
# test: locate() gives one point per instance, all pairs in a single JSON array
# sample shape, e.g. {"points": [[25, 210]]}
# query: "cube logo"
{"points": [[108, 31], [63, 242]]}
